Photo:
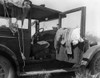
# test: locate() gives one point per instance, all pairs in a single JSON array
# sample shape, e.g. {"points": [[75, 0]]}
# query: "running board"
{"points": [[31, 73]]}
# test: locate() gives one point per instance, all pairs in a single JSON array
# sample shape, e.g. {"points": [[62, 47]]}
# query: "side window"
{"points": [[32, 28], [19, 22], [4, 22]]}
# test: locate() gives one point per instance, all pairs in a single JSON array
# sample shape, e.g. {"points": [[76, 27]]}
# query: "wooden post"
{"points": [[83, 22], [27, 39], [60, 21]]}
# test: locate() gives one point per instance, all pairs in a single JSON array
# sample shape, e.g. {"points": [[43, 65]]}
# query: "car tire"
{"points": [[94, 66], [6, 68]]}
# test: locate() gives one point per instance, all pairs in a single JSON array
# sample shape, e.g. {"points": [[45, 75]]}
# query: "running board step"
{"points": [[31, 73]]}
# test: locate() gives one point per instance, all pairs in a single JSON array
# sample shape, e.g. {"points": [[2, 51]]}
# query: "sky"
{"points": [[92, 11]]}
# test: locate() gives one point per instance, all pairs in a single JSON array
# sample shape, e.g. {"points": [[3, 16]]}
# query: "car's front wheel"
{"points": [[95, 64], [6, 68]]}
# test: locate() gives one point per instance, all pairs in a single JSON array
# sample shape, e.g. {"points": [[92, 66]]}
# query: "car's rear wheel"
{"points": [[94, 66], [6, 68]]}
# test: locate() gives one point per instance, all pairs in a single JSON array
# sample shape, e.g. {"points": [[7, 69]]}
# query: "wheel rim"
{"points": [[97, 65], [2, 72]]}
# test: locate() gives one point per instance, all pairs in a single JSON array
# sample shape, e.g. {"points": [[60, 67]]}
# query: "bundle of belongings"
{"points": [[64, 39], [19, 8], [18, 3]]}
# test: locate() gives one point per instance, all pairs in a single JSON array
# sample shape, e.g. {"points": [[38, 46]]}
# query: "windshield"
{"points": [[46, 25], [49, 25]]}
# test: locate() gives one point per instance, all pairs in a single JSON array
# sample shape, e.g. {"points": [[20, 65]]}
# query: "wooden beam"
{"points": [[83, 22], [60, 21], [73, 10]]}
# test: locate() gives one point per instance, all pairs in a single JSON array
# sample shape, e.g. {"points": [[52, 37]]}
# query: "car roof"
{"points": [[38, 12]]}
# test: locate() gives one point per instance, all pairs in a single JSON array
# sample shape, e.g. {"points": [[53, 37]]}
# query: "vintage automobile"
{"points": [[20, 55]]}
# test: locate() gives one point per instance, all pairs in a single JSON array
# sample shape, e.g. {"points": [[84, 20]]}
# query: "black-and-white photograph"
{"points": [[49, 39]]}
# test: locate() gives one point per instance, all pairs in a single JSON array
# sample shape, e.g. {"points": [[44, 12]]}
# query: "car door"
{"points": [[74, 18]]}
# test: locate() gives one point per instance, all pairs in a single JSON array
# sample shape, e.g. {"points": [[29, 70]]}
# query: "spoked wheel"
{"points": [[95, 64], [2, 72], [6, 69]]}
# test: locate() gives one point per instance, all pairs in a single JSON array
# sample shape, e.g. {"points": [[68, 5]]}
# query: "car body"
{"points": [[17, 47]]}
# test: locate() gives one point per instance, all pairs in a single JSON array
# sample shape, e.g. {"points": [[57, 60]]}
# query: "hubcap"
{"points": [[2, 72], [97, 65]]}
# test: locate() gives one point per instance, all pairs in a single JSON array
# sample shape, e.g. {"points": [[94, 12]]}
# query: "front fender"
{"points": [[8, 51], [91, 52], [5, 50], [88, 55]]}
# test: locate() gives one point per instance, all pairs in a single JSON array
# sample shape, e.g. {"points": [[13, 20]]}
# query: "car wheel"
{"points": [[6, 69], [94, 66]]}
